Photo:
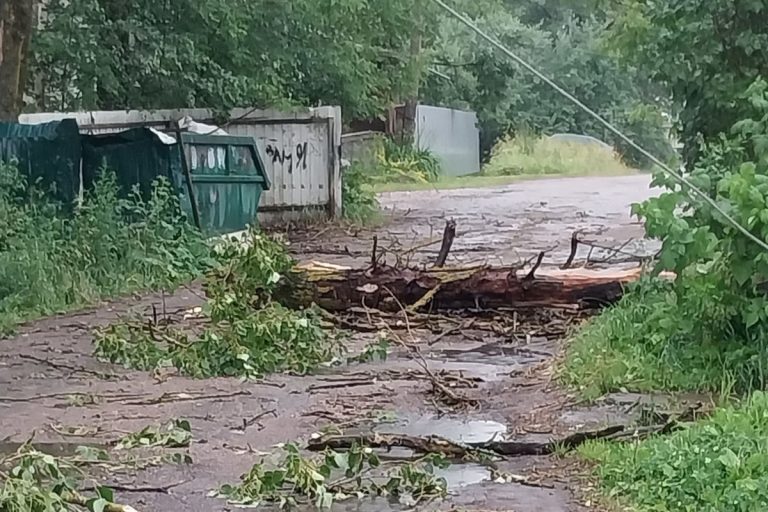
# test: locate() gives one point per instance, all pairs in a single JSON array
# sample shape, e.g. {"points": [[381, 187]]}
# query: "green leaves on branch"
{"points": [[708, 253], [174, 434], [244, 332], [33, 481], [335, 476]]}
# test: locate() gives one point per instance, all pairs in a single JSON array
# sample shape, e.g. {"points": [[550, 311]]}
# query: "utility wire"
{"points": [[679, 177]]}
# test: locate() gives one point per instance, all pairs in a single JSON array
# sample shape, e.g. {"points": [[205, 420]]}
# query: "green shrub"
{"points": [[400, 162], [711, 325], [52, 261], [658, 339], [717, 465], [359, 201]]}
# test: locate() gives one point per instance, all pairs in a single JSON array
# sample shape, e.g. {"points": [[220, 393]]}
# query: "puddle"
{"points": [[469, 431], [463, 475], [456, 475], [483, 361]]}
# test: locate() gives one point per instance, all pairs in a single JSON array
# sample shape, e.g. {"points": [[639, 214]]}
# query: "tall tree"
{"points": [[707, 54], [16, 25]]}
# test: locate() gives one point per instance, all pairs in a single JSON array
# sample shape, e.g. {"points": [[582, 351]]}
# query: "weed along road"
{"points": [[413, 408]]}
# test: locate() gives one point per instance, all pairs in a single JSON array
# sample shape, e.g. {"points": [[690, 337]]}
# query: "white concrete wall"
{"points": [[300, 149]]}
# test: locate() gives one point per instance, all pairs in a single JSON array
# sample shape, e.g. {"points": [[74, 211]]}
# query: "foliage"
{"points": [[245, 332], [527, 155], [359, 201], [52, 260], [703, 53], [37, 482], [727, 270], [103, 54], [33, 481], [718, 464], [656, 339], [100, 54], [574, 52], [710, 326], [377, 350], [334, 477], [401, 162], [174, 434]]}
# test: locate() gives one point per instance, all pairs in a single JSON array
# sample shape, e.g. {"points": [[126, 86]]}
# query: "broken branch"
{"points": [[448, 236], [451, 449]]}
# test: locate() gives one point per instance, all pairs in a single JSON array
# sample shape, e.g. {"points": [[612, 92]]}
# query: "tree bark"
{"points": [[390, 289], [414, 77], [16, 24]]}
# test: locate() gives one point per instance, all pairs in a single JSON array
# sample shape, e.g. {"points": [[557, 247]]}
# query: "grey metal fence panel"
{"points": [[452, 136]]}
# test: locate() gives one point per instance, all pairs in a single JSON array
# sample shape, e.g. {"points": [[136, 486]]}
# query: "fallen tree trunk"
{"points": [[336, 288]]}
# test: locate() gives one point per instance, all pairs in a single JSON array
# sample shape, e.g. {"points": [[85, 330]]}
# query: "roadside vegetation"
{"points": [[390, 164], [513, 158], [359, 202], [717, 464], [526, 155], [706, 331], [54, 259]]}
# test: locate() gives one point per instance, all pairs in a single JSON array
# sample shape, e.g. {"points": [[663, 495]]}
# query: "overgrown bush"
{"points": [[525, 154], [711, 325], [699, 244], [359, 201], [245, 331], [53, 260], [659, 339], [400, 162], [719, 464]]}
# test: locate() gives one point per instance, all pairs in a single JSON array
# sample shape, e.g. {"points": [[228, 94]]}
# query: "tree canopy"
{"points": [[364, 55]]}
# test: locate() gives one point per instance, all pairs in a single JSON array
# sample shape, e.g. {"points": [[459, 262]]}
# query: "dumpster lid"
{"points": [[248, 143]]}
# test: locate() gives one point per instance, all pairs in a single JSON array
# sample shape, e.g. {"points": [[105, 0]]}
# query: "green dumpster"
{"points": [[227, 178]]}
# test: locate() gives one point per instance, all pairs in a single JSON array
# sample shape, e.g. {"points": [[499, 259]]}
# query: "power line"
{"points": [[679, 177]]}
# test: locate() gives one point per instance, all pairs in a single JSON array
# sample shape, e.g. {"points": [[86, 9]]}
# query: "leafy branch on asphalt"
{"points": [[244, 332], [174, 434], [335, 476], [34, 481]]}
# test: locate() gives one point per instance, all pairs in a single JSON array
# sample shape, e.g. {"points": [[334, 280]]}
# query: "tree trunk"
{"points": [[390, 289], [16, 25], [414, 78]]}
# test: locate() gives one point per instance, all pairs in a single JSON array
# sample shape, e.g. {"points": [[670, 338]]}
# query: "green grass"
{"points": [[54, 260], [717, 465], [541, 156], [654, 340]]}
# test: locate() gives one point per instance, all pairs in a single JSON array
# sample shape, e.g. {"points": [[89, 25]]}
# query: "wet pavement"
{"points": [[504, 225], [50, 383]]}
